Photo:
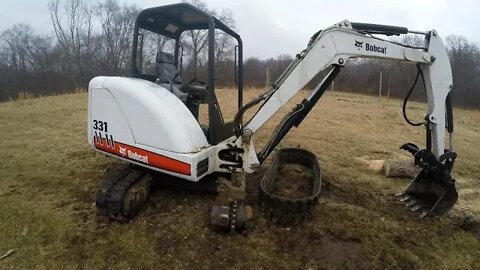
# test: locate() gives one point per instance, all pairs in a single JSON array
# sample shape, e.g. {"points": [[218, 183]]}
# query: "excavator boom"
{"points": [[433, 191]]}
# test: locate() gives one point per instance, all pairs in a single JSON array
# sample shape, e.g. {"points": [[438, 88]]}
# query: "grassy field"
{"points": [[49, 176]]}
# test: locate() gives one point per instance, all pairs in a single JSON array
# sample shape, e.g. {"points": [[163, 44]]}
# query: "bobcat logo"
{"points": [[123, 151], [358, 44]]}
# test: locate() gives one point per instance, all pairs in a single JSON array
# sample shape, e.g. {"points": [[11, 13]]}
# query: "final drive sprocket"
{"points": [[282, 210], [230, 218], [123, 194]]}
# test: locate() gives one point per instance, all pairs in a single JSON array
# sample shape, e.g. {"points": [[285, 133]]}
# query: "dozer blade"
{"points": [[431, 194]]}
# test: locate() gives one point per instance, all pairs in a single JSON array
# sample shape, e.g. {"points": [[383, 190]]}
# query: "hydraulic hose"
{"points": [[407, 97]]}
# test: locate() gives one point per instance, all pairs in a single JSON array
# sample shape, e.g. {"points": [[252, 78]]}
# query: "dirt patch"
{"points": [[293, 181], [322, 251], [470, 225], [343, 255]]}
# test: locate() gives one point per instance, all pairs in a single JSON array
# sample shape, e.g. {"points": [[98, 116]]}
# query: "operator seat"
{"points": [[169, 77], [166, 70], [168, 74]]}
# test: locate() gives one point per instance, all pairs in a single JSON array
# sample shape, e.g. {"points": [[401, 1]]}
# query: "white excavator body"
{"points": [[152, 119], [144, 123]]}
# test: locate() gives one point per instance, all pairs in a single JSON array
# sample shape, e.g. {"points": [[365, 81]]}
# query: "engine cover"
{"points": [[146, 124]]}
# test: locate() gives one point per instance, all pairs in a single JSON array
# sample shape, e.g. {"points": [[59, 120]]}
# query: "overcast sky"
{"points": [[272, 27]]}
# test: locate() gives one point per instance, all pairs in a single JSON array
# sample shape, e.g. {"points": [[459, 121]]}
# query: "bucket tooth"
{"points": [[410, 203], [423, 214], [416, 208], [401, 194], [405, 198]]}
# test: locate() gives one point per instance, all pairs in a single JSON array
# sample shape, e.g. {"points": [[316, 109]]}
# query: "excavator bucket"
{"points": [[433, 191], [428, 196]]}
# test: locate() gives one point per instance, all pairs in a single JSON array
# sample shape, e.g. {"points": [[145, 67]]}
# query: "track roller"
{"points": [[122, 195]]}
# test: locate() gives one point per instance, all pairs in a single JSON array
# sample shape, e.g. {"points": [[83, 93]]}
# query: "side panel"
{"points": [[156, 117], [106, 119], [186, 166], [112, 132]]}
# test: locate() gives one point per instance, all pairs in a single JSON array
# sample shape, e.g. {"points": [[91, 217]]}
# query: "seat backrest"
{"points": [[166, 70]]}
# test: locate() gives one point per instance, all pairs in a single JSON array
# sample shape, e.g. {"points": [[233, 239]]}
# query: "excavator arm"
{"points": [[326, 53]]}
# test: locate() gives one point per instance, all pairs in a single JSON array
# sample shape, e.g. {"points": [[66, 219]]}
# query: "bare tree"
{"points": [[26, 61], [465, 61], [195, 42], [224, 42], [17, 42], [117, 25], [74, 32], [255, 72]]}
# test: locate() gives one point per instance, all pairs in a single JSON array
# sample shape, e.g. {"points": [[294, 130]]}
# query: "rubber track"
{"points": [[110, 198], [282, 210]]}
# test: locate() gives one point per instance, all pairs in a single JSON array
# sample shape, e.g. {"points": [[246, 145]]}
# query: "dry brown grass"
{"points": [[49, 177]]}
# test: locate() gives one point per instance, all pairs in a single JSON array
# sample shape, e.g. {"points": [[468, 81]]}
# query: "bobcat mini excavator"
{"points": [[151, 118]]}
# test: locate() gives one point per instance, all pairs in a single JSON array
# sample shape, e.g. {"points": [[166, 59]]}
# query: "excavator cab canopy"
{"points": [[169, 22], [172, 20]]}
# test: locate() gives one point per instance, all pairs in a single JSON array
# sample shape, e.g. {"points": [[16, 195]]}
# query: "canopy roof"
{"points": [[172, 20]]}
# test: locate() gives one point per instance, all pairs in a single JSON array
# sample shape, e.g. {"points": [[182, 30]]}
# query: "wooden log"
{"points": [[376, 165], [400, 168]]}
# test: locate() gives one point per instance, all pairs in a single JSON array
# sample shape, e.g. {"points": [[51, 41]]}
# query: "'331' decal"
{"points": [[100, 125]]}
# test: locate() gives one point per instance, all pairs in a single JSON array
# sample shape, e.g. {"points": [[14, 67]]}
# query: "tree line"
{"points": [[363, 75], [91, 39], [74, 53]]}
